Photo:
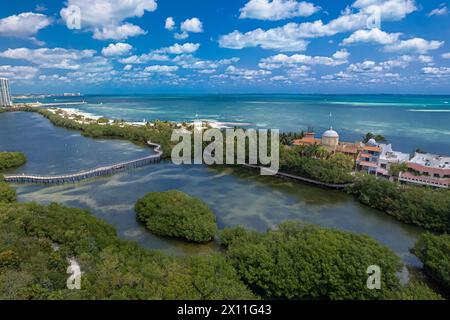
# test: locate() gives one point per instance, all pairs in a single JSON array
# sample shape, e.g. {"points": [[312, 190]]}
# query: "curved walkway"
{"points": [[88, 174], [302, 179]]}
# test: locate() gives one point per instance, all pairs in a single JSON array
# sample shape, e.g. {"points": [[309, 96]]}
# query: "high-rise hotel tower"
{"points": [[5, 96]]}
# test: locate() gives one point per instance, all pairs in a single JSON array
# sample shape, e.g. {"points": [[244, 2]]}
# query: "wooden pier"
{"points": [[89, 174], [298, 178]]}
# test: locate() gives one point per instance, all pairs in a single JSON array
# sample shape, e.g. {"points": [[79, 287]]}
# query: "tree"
{"points": [[424, 207], [298, 261], [396, 168], [287, 138], [176, 214], [434, 252], [10, 160], [303, 161], [342, 161], [377, 137], [7, 194], [414, 290], [32, 268], [103, 120]]}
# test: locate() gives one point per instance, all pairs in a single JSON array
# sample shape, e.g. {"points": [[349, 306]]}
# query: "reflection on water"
{"points": [[51, 150], [237, 196]]}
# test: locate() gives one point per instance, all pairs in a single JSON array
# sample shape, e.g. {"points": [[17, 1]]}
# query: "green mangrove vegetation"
{"points": [[36, 242], [103, 120], [160, 132], [424, 207], [298, 261], [414, 290], [7, 194], [10, 160], [176, 214], [434, 252], [315, 163], [293, 260]]}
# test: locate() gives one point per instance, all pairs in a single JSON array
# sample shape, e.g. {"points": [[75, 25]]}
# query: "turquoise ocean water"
{"points": [[409, 122], [237, 197]]}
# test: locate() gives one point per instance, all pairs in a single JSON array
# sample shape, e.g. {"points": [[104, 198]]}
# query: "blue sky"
{"points": [[257, 46]]}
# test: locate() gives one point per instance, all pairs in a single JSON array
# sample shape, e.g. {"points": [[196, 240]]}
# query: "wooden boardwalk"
{"points": [[298, 178], [89, 174]]}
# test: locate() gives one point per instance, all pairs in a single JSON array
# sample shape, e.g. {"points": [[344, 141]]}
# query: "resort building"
{"points": [[389, 157], [369, 156], [330, 141], [373, 158], [428, 169], [5, 95]]}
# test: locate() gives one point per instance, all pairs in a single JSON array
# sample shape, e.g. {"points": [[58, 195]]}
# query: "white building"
{"points": [[389, 157], [428, 169], [330, 139], [5, 95]]}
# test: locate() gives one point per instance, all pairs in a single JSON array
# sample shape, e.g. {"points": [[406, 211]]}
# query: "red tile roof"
{"points": [[368, 164], [306, 140], [370, 148], [418, 167], [366, 155]]}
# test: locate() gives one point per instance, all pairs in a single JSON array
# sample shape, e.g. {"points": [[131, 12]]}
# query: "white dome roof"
{"points": [[330, 134], [372, 142]]}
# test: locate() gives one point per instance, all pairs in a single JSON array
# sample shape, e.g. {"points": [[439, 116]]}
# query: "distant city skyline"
{"points": [[242, 46], [5, 96]]}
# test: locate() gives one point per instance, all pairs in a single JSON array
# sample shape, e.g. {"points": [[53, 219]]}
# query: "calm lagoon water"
{"points": [[409, 122], [237, 196]]}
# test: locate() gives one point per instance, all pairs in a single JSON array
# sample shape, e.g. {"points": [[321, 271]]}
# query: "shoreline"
{"points": [[134, 134], [75, 112], [402, 222]]}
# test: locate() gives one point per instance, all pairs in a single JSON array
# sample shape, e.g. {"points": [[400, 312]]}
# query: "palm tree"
{"points": [[377, 137], [322, 153]]}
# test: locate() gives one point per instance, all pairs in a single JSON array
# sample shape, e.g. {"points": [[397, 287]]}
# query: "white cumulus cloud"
{"points": [[56, 58], [418, 45], [159, 68], [439, 11], [192, 25], [291, 36], [18, 72], [247, 74], [436, 71], [282, 60], [181, 35], [117, 49], [373, 35], [170, 23], [179, 48], [105, 18], [283, 39], [144, 58], [277, 9], [24, 25], [121, 32], [188, 61]]}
